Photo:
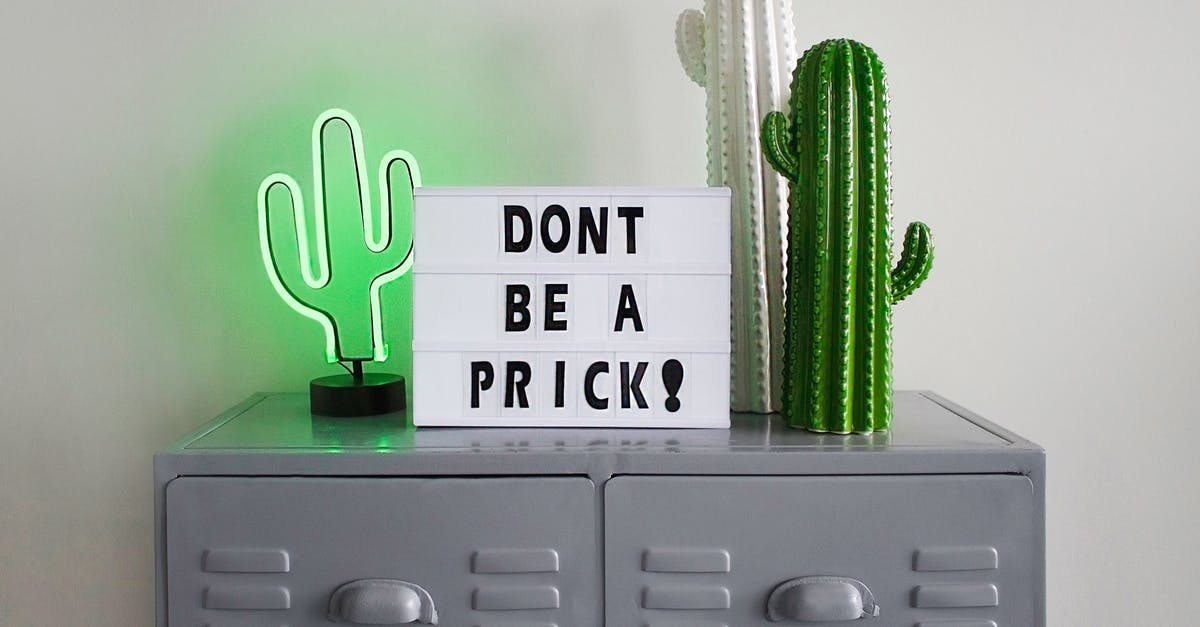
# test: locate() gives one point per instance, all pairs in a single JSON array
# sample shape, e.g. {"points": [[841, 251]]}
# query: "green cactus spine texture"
{"points": [[833, 148]]}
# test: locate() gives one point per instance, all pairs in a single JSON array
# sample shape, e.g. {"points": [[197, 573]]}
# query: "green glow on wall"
{"points": [[354, 247]]}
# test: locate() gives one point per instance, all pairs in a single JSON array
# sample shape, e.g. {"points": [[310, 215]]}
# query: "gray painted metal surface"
{"points": [[940, 519], [421, 531], [778, 529]]}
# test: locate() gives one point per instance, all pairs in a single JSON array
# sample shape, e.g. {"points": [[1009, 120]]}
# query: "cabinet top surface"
{"points": [[282, 423]]}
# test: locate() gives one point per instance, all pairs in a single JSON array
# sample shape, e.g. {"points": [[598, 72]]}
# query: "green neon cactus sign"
{"points": [[332, 269]]}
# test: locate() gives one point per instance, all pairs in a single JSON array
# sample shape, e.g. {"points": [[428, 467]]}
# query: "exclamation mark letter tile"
{"points": [[673, 385]]}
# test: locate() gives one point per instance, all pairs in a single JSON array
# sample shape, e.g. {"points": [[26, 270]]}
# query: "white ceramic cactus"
{"points": [[741, 52]]}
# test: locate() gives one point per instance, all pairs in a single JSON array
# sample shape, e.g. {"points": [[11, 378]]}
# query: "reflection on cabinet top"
{"points": [[282, 421], [275, 433]]}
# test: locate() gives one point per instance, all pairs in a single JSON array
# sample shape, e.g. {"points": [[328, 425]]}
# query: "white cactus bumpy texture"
{"points": [[741, 52]]}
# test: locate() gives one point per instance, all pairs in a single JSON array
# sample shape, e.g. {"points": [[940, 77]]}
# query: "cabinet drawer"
{"points": [[485, 551], [710, 551]]}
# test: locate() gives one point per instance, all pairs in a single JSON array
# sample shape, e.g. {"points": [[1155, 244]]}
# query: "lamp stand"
{"points": [[357, 394]]}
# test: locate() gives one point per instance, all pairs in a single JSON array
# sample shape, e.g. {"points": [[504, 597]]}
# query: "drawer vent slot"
{"points": [[508, 561], [685, 561], [520, 624], [684, 624], [515, 598], [686, 598], [955, 558], [958, 623], [247, 598], [955, 595], [246, 561]]}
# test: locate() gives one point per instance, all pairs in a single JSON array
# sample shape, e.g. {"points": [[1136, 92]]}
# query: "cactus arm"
{"points": [[777, 148], [915, 262], [305, 247], [689, 43], [380, 347], [329, 166], [390, 216], [310, 280], [399, 175]]}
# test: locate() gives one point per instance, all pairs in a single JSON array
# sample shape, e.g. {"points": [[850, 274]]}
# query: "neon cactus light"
{"points": [[834, 148], [740, 52], [329, 264]]}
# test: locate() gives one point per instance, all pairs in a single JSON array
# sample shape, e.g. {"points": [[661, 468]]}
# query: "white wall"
{"points": [[1050, 146]]}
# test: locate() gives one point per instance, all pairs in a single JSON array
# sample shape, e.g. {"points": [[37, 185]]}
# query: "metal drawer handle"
{"points": [[821, 599], [381, 602]]}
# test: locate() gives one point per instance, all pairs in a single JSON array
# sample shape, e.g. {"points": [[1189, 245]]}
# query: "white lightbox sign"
{"points": [[571, 307]]}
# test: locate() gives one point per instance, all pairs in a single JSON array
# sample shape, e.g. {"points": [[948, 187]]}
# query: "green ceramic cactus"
{"points": [[833, 147]]}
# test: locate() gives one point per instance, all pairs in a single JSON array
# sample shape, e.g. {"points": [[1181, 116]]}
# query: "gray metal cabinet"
{"points": [[711, 550], [277, 548], [270, 516]]}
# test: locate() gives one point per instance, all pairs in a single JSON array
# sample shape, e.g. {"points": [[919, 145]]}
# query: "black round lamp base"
{"points": [[340, 396]]}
